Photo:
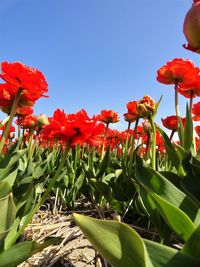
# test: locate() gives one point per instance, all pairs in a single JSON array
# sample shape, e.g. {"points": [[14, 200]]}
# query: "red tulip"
{"points": [[191, 89], [108, 116], [27, 122], [19, 76], [132, 113], [178, 70], [191, 27], [75, 128], [196, 111], [197, 129], [171, 122]]}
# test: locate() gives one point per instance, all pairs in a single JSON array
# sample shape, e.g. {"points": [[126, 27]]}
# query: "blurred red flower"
{"points": [[27, 122], [191, 27], [197, 129], [171, 122], [12, 128], [178, 70], [108, 116], [196, 111]]}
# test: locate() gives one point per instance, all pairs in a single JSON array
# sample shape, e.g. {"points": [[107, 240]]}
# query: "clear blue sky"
{"points": [[96, 54]]}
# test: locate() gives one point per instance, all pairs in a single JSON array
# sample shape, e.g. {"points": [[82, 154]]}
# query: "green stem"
{"points": [[42, 199], [153, 147], [191, 100], [30, 141], [176, 101], [103, 146], [35, 143], [8, 124], [18, 126], [172, 134], [132, 148], [126, 144], [178, 114]]}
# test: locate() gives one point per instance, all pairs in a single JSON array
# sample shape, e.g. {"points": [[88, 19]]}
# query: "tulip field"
{"points": [[133, 194]]}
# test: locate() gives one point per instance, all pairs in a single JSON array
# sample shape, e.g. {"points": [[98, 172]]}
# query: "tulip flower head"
{"points": [[191, 27], [145, 107], [108, 116]]}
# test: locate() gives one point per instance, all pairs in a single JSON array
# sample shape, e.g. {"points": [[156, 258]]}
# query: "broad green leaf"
{"points": [[40, 169], [157, 183], [172, 153], [22, 251], [12, 231], [5, 189], [174, 217], [119, 244], [7, 163], [191, 182], [8, 211], [102, 188], [164, 256], [192, 246], [153, 214]]}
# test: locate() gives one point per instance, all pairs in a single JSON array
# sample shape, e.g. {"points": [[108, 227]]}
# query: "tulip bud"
{"points": [[191, 27], [42, 120], [145, 107]]}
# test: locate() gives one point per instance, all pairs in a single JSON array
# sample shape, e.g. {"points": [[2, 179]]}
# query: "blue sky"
{"points": [[96, 54]]}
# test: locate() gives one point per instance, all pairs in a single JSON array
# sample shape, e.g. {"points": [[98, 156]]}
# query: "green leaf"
{"points": [[42, 167], [104, 164], [102, 188], [157, 105], [6, 165], [172, 153], [164, 256], [119, 244], [153, 214], [8, 211], [191, 182], [188, 130], [22, 251], [192, 246], [157, 183], [174, 217]]}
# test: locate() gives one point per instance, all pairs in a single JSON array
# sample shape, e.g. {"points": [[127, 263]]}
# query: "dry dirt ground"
{"points": [[74, 250]]}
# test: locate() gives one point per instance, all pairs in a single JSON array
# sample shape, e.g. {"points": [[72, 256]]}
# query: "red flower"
{"points": [[131, 106], [178, 70], [12, 128], [191, 89], [24, 110], [191, 27], [132, 113], [196, 111], [30, 80], [108, 116], [197, 129], [27, 121], [76, 128], [171, 122]]}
